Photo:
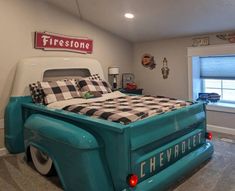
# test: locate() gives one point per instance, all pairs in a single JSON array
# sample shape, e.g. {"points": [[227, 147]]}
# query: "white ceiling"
{"points": [[155, 19]]}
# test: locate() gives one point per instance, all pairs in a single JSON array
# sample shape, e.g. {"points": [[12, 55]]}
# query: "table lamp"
{"points": [[114, 71]]}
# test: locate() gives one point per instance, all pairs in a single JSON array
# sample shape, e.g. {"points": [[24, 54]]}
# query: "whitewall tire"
{"points": [[41, 161]]}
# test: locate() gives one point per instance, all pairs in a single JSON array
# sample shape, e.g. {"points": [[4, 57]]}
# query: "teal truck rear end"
{"points": [[92, 154]]}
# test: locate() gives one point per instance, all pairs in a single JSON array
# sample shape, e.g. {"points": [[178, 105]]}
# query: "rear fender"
{"points": [[76, 153]]}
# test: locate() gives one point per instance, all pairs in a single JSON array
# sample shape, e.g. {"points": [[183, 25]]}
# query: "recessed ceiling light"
{"points": [[129, 15]]}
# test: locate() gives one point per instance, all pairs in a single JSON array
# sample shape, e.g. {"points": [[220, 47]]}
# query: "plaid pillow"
{"points": [[59, 90], [94, 77], [36, 93], [94, 86]]}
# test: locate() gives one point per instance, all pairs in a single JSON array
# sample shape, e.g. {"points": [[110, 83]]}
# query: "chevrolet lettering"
{"points": [[164, 158]]}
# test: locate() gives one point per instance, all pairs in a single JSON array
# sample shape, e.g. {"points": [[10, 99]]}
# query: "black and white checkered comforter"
{"points": [[128, 109]]}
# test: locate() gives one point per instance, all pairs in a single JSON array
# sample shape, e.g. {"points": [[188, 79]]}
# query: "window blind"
{"points": [[217, 67]]}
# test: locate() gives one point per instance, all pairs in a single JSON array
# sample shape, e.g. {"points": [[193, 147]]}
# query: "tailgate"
{"points": [[162, 140]]}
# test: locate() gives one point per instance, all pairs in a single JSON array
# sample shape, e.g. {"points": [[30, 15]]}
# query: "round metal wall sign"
{"points": [[148, 61]]}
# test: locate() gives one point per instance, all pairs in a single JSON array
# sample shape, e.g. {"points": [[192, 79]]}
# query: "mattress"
{"points": [[121, 108]]}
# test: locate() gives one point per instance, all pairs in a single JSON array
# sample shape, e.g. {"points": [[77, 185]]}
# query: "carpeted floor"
{"points": [[17, 175], [218, 174]]}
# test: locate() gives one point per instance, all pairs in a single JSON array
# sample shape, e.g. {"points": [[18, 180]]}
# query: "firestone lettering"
{"points": [[48, 40]]}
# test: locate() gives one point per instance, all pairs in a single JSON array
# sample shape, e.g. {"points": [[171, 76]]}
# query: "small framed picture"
{"points": [[202, 41], [127, 78]]}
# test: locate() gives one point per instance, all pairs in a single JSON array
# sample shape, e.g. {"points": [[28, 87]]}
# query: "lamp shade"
{"points": [[113, 70]]}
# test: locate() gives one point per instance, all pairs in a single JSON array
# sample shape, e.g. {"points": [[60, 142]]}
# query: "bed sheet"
{"points": [[121, 108]]}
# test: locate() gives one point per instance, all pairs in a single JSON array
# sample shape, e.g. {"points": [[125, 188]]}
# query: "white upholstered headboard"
{"points": [[32, 70]]}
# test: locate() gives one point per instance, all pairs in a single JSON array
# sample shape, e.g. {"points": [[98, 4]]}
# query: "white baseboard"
{"points": [[3, 152], [221, 129], [1, 123]]}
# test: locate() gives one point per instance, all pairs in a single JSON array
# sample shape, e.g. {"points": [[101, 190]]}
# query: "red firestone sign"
{"points": [[50, 41]]}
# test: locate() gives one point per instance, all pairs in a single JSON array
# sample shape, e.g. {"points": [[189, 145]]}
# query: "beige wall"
{"points": [[221, 119], [20, 18], [175, 50], [151, 80]]}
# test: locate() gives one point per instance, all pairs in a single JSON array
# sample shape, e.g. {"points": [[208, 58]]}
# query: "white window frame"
{"points": [[194, 80]]}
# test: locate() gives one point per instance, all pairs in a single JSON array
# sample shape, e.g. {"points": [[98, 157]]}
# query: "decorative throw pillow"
{"points": [[94, 77], [94, 86], [36, 93], [59, 90]]}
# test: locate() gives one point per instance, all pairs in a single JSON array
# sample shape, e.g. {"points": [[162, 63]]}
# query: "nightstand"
{"points": [[127, 91]]}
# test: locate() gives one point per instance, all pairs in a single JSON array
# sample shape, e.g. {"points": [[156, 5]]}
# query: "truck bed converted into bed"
{"points": [[90, 153]]}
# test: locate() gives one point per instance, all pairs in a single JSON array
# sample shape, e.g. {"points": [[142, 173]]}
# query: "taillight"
{"points": [[209, 135], [132, 180]]}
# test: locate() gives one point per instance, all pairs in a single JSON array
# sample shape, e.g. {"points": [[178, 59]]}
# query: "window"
{"points": [[212, 68], [225, 88], [218, 76]]}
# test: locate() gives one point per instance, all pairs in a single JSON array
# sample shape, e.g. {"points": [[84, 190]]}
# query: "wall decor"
{"points": [[230, 37], [201, 41], [165, 69], [52, 41], [148, 61], [127, 78]]}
